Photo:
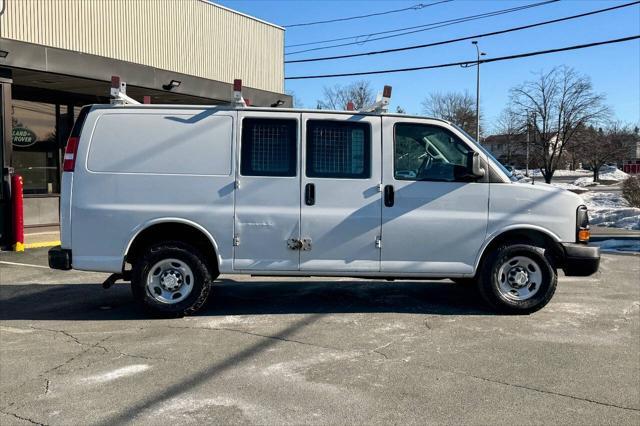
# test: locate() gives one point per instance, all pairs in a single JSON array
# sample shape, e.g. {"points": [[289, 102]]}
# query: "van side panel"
{"points": [[142, 166], [160, 144], [539, 206]]}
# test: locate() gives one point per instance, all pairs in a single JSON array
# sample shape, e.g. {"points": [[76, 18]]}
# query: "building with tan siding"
{"points": [[57, 55]]}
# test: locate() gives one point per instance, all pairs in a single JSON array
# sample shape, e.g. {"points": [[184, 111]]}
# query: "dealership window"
{"points": [[36, 146], [338, 149]]}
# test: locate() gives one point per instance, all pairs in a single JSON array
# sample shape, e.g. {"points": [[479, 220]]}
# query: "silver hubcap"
{"points": [[519, 278], [169, 281]]}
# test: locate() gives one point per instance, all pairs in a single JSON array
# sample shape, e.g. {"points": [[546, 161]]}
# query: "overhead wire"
{"points": [[476, 36], [463, 63], [422, 28], [330, 21]]}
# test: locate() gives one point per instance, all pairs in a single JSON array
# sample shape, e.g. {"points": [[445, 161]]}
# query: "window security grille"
{"points": [[271, 148], [268, 147], [338, 151]]}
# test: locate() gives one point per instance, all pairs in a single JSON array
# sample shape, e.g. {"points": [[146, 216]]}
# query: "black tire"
{"points": [[489, 281], [465, 281], [203, 277]]}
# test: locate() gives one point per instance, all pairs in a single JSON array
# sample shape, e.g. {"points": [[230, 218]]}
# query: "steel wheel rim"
{"points": [[519, 278], [169, 281]]}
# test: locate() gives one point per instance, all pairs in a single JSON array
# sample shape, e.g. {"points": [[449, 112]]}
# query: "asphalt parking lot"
{"points": [[317, 351]]}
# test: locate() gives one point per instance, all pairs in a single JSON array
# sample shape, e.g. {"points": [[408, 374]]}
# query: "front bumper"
{"points": [[580, 260], [59, 258]]}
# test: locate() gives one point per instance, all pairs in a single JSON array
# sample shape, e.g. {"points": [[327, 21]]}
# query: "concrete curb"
{"points": [[42, 244]]}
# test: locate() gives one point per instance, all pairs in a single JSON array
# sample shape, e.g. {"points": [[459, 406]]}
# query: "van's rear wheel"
{"points": [[518, 279], [171, 279]]}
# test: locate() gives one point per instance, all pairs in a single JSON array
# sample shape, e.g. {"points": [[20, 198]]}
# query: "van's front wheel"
{"points": [[171, 279], [518, 279]]}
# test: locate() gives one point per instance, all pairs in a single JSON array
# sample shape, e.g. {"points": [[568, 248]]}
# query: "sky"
{"points": [[614, 69]]}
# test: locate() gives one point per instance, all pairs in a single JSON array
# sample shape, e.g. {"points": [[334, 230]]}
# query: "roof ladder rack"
{"points": [[119, 93], [381, 104]]}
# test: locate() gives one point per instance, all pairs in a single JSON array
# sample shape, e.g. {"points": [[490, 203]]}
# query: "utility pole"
{"points": [[479, 54], [531, 122]]}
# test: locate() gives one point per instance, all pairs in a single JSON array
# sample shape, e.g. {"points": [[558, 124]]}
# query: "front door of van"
{"points": [[434, 217], [341, 202], [267, 195]]}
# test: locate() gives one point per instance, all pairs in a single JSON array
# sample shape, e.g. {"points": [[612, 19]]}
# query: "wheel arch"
{"points": [[176, 229], [528, 234]]}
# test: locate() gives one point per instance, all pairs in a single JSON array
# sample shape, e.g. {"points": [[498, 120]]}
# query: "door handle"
{"points": [[389, 196], [310, 194]]}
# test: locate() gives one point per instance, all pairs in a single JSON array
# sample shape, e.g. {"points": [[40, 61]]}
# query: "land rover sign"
{"points": [[23, 137]]}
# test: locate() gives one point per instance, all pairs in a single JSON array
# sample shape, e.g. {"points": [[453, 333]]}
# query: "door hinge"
{"points": [[294, 244], [380, 187], [236, 184], [378, 242], [236, 240]]}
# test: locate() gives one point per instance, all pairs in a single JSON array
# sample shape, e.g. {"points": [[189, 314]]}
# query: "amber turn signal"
{"points": [[583, 235]]}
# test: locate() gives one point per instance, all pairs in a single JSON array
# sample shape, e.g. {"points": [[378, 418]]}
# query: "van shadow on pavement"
{"points": [[255, 297]]}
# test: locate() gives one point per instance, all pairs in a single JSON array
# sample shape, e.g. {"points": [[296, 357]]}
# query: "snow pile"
{"points": [[558, 173], [618, 245], [611, 209], [570, 187], [585, 181], [607, 174]]}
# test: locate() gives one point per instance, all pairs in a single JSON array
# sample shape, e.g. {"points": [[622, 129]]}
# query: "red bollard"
{"points": [[18, 212]]}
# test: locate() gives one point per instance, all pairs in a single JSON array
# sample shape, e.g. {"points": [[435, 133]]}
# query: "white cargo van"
{"points": [[170, 197]]}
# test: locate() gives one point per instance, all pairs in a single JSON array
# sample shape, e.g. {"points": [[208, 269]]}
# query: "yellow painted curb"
{"points": [[41, 244], [18, 247]]}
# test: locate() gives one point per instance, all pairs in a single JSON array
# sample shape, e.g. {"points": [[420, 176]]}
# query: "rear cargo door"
{"points": [[267, 206]]}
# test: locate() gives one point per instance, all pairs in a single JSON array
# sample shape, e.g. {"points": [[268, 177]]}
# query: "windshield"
{"points": [[488, 154]]}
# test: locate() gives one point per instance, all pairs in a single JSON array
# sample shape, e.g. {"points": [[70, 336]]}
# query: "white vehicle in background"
{"points": [[170, 197]]}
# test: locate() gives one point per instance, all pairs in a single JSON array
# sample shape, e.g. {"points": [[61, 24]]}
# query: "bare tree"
{"points": [[337, 97], [295, 100], [559, 103], [459, 108], [512, 129], [601, 146]]}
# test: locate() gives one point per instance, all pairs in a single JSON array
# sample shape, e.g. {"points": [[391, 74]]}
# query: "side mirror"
{"points": [[476, 165]]}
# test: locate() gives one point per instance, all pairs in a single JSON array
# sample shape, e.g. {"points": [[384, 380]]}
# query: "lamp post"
{"points": [[526, 173], [479, 53]]}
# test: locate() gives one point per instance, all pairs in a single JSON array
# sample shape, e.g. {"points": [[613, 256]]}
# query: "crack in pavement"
{"points": [[78, 355], [377, 351], [265, 336], [529, 388], [151, 358], [71, 336], [97, 345], [26, 419]]}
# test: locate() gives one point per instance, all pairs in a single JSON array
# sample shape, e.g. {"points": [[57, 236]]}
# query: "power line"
{"points": [[439, 43], [453, 21], [430, 26], [482, 61], [414, 7]]}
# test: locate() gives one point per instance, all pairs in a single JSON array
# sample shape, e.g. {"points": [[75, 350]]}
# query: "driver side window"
{"points": [[430, 153]]}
